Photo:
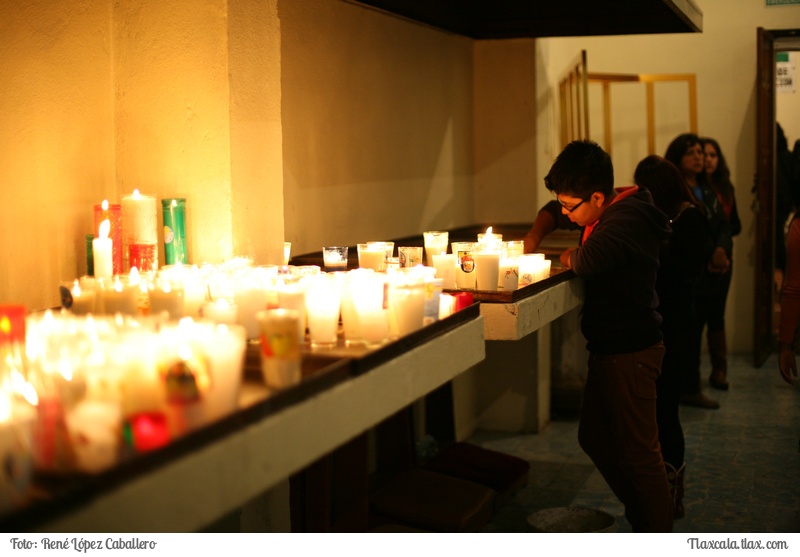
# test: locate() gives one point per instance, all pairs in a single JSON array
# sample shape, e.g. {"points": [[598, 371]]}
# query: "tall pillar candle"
{"points": [[174, 231], [113, 214], [102, 252], [140, 228]]}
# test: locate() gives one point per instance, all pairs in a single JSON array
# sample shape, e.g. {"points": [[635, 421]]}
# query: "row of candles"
{"points": [[140, 358]]}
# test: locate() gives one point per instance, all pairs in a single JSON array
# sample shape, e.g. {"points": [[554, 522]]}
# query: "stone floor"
{"points": [[742, 462]]}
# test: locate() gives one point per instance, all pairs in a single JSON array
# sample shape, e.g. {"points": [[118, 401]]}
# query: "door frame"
{"points": [[765, 297]]}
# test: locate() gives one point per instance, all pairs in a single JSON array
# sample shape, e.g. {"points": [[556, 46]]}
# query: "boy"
{"points": [[617, 259]]}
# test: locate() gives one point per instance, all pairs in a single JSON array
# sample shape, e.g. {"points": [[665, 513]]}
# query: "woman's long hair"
{"points": [[678, 148], [720, 180], [666, 184]]}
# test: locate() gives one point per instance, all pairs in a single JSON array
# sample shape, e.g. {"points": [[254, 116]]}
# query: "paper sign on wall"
{"points": [[785, 72]]}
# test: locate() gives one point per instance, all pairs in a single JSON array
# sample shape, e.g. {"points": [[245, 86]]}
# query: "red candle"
{"points": [[148, 431]]}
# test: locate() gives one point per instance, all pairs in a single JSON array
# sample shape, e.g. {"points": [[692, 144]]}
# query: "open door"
{"points": [[766, 314]]}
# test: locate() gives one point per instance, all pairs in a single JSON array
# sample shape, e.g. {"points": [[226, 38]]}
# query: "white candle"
{"points": [[120, 297], [447, 305], [323, 304], [95, 429], [220, 311], [508, 274], [435, 242], [101, 252], [293, 296], [406, 306], [225, 351], [139, 221], [281, 363], [166, 297], [445, 264], [487, 266], [465, 264], [83, 299], [370, 304], [16, 438], [529, 268]]}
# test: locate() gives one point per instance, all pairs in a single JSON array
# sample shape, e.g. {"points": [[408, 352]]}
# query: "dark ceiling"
{"points": [[504, 19]]}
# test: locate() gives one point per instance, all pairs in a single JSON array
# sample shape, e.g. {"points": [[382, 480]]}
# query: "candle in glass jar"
{"points": [[445, 264], [487, 267], [140, 228]]}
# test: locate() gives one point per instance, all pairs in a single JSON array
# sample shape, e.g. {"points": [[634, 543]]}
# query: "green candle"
{"points": [[174, 230]]}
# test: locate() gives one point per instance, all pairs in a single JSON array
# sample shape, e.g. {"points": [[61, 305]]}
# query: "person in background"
{"points": [[617, 258], [686, 153], [787, 197], [790, 305], [681, 263], [718, 176]]}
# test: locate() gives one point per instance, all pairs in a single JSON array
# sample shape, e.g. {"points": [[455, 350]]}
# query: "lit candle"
{"points": [[16, 427], [225, 351], [508, 278], [83, 299], [102, 252], [465, 264], [280, 347], [406, 304], [323, 305], [94, 427], [113, 214], [120, 297], [435, 242], [166, 296], [487, 267], [140, 225], [369, 297], [220, 311], [529, 268], [490, 239], [445, 264]]}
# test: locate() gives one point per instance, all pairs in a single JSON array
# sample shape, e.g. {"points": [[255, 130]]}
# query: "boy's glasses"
{"points": [[571, 209]]}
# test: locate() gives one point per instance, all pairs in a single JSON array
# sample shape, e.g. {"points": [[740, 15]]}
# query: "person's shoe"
{"points": [[718, 381], [699, 400], [675, 478]]}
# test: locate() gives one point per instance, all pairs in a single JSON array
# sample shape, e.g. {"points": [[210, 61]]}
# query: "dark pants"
{"points": [[619, 433]]}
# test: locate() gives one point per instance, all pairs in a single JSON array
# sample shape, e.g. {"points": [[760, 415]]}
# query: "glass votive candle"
{"points": [[445, 265], [287, 252], [371, 305], [280, 347], [406, 305], [514, 248], [489, 237], [372, 255], [409, 256], [435, 242], [166, 296], [465, 264], [323, 304], [78, 298], [335, 258], [292, 295], [221, 310], [530, 265], [508, 278], [487, 268], [119, 295]]}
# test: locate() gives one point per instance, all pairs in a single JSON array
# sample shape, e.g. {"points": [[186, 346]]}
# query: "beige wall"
{"points": [[724, 58], [56, 141]]}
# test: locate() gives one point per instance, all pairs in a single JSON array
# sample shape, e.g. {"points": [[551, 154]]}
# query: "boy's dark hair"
{"points": [[581, 169]]}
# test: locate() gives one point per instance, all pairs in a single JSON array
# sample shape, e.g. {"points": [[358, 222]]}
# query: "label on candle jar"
{"points": [[184, 379]]}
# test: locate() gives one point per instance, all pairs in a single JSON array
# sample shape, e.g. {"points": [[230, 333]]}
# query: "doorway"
{"points": [[769, 43]]}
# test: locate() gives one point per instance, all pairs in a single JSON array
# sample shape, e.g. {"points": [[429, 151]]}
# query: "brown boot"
{"points": [[675, 478], [699, 400], [718, 349]]}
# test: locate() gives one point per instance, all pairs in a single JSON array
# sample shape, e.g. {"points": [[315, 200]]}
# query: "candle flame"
{"points": [[489, 231], [105, 228], [117, 284], [134, 276], [136, 194], [76, 288], [104, 205]]}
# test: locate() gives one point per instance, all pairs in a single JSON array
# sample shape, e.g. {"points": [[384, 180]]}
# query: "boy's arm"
{"points": [[548, 219]]}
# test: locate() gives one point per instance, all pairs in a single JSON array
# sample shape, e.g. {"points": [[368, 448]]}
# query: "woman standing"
{"points": [[718, 176], [686, 153], [681, 263]]}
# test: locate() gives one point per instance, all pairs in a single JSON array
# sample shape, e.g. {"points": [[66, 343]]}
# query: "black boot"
{"points": [[675, 478], [718, 350]]}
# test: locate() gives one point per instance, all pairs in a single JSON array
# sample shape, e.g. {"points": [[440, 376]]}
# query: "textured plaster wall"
{"points": [[56, 141], [377, 125]]}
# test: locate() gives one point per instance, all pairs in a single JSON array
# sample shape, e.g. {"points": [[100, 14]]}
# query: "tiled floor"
{"points": [[742, 462]]}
